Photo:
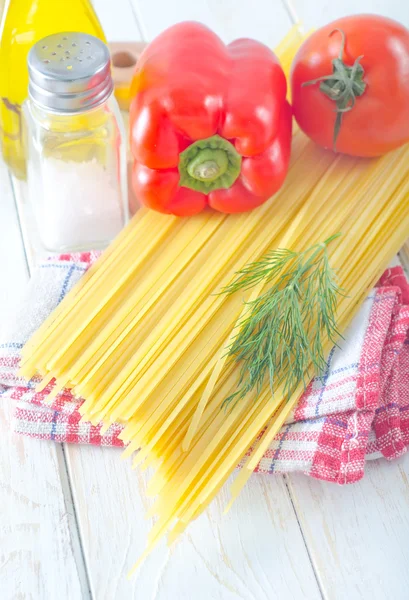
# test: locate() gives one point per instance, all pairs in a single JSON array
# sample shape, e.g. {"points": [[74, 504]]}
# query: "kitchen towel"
{"points": [[357, 409]]}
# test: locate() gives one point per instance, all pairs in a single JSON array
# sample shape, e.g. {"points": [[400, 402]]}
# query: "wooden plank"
{"points": [[13, 267], [264, 20], [40, 553], [256, 552], [33, 248], [118, 20], [316, 14], [39, 556], [358, 535]]}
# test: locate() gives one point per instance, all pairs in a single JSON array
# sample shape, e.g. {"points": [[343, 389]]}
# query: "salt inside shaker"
{"points": [[76, 151]]}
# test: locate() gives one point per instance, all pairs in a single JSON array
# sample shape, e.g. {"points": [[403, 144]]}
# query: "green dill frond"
{"points": [[281, 335]]}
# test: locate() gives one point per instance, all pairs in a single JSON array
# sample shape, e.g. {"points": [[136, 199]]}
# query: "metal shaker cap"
{"points": [[69, 72]]}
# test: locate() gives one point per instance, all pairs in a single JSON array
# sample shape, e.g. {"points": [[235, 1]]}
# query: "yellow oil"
{"points": [[24, 23]]}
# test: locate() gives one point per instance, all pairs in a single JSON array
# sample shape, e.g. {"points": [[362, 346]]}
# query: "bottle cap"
{"points": [[69, 72]]}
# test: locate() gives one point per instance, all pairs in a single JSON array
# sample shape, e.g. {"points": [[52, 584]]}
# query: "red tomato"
{"points": [[377, 118]]}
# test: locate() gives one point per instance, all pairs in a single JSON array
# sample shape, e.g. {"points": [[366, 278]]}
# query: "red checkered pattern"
{"points": [[357, 409]]}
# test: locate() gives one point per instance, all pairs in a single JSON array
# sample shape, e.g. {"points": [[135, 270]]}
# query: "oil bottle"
{"points": [[25, 22]]}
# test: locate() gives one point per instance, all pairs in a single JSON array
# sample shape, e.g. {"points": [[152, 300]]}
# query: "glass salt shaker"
{"points": [[76, 150]]}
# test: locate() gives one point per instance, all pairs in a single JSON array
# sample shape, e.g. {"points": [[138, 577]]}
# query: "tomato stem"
{"points": [[342, 86]]}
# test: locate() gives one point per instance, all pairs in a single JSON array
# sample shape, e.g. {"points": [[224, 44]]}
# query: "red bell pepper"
{"points": [[209, 123]]}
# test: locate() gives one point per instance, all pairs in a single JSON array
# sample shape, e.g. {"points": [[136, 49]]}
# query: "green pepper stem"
{"points": [[209, 164]]}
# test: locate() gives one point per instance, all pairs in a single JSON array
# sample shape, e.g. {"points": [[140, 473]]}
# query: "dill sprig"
{"points": [[282, 332]]}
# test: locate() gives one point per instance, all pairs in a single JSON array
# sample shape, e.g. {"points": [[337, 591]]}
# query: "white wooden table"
{"points": [[72, 518]]}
